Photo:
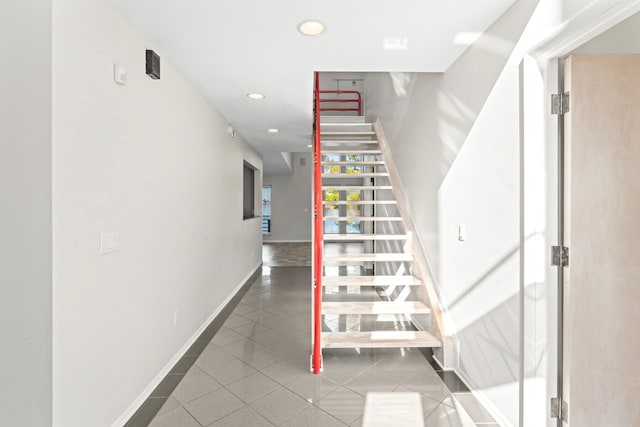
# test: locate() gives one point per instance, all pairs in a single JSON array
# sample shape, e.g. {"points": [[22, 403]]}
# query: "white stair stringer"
{"points": [[365, 234]]}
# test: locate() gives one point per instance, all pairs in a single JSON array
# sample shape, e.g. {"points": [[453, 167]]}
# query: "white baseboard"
{"points": [[128, 413], [479, 395]]}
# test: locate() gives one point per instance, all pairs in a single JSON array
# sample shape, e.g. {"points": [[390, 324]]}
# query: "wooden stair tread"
{"points": [[348, 141], [362, 218], [355, 175], [343, 237], [359, 202], [347, 132], [368, 257], [375, 307], [379, 339], [356, 187], [365, 152], [354, 163], [371, 281]]}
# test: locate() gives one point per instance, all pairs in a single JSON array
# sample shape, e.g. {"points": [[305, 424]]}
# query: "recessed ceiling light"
{"points": [[311, 28], [255, 95], [309, 146], [273, 130]]}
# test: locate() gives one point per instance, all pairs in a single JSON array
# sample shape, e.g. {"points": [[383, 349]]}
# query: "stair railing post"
{"points": [[317, 234]]}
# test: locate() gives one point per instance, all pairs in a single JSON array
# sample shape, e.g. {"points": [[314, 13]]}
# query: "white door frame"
{"points": [[540, 70]]}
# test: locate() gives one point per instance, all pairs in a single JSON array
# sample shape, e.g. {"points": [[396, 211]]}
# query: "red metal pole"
{"points": [[318, 236]]}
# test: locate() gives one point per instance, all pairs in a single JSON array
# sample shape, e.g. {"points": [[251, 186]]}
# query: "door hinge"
{"points": [[559, 256], [560, 103], [559, 409]]}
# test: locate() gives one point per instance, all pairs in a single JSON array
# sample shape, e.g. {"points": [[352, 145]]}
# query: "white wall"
{"points": [[152, 161], [25, 213], [455, 138], [622, 39], [291, 202]]}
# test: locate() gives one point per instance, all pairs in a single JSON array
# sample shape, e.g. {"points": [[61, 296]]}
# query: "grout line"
{"points": [[212, 329]]}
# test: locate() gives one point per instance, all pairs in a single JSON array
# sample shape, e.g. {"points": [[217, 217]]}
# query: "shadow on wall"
{"points": [[427, 117]]}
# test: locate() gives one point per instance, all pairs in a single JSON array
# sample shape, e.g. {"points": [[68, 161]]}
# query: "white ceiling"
{"points": [[230, 48]]}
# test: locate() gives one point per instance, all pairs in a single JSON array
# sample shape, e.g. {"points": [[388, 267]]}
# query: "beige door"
{"points": [[602, 231]]}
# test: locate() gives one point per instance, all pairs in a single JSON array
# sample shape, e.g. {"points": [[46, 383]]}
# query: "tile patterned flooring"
{"points": [[255, 370], [286, 254]]}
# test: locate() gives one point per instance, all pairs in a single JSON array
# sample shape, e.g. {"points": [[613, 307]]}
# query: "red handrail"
{"points": [[357, 100], [317, 234]]}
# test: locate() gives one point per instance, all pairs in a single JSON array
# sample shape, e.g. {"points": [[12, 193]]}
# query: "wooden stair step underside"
{"points": [[348, 141], [379, 339], [359, 202], [353, 163], [355, 175], [357, 187], [362, 218], [368, 257], [371, 281], [347, 152], [347, 133], [375, 307], [359, 237]]}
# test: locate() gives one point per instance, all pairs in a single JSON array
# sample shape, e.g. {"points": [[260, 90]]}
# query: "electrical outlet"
{"points": [[175, 317]]}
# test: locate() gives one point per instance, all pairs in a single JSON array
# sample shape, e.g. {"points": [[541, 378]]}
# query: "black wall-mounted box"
{"points": [[153, 65]]}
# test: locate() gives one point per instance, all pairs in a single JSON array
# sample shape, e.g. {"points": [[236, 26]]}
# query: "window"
{"points": [[266, 209], [248, 191]]}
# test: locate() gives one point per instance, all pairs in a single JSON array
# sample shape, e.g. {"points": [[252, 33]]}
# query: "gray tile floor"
{"points": [[294, 254], [255, 370]]}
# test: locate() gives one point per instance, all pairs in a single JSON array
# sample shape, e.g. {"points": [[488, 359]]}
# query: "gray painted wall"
{"points": [[291, 202], [25, 213]]}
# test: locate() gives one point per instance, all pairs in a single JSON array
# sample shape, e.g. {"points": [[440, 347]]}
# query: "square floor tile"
{"points": [[313, 417], [244, 309], [268, 337], [345, 405], [285, 371], [243, 346], [428, 404], [279, 405], [251, 329], [429, 385], [195, 385], [234, 321], [371, 382], [244, 417], [178, 417], [253, 387], [258, 359], [230, 371], [312, 387], [213, 406], [226, 336], [212, 357], [170, 404], [446, 416]]}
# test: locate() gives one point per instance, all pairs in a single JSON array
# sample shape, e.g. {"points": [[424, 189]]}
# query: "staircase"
{"points": [[370, 296]]}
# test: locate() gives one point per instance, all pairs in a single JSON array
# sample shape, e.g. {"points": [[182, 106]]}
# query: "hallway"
{"points": [[255, 370]]}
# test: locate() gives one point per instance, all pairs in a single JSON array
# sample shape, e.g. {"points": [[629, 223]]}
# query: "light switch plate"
{"points": [[462, 233], [119, 74], [109, 242]]}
